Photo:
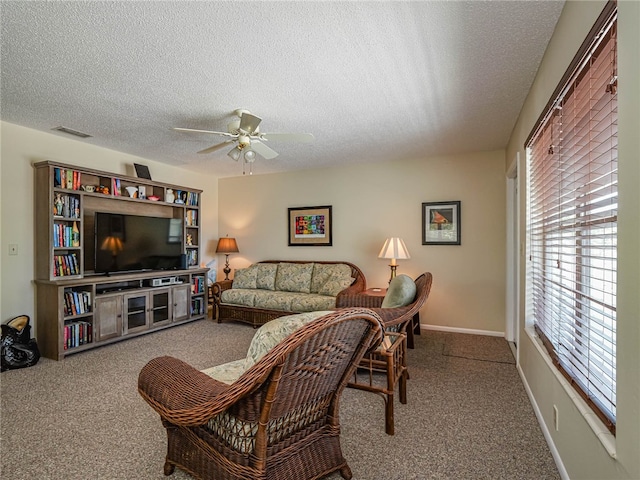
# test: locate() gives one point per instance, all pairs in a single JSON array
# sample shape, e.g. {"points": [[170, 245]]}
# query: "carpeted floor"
{"points": [[484, 348], [468, 416]]}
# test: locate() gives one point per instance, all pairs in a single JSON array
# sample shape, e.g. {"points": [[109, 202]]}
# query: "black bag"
{"points": [[19, 350]]}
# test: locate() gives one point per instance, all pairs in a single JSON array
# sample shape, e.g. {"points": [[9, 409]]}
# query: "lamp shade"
{"points": [[227, 245], [394, 248]]}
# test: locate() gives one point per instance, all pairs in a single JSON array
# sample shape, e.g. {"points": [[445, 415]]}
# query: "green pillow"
{"points": [[401, 292]]}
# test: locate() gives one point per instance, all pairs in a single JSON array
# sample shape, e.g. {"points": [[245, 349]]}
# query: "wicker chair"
{"points": [[279, 420], [390, 358]]}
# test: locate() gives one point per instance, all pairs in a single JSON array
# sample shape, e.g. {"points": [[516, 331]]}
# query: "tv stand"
{"points": [[78, 309]]}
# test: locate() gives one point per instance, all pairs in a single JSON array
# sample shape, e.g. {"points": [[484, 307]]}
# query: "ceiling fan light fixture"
{"points": [[250, 156], [244, 141], [235, 153]]}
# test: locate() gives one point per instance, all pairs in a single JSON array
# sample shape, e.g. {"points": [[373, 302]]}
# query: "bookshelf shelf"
{"points": [[77, 309]]}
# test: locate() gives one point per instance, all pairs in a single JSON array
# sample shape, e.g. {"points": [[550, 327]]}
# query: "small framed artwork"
{"points": [[441, 223], [142, 171], [310, 227]]}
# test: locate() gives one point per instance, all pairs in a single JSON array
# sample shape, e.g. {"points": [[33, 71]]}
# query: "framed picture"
{"points": [[142, 171], [441, 223], [310, 227]]}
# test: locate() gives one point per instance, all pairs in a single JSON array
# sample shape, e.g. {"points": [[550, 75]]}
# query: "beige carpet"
{"points": [[83, 419], [478, 347]]}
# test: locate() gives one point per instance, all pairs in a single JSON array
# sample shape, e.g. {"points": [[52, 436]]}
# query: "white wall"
{"points": [[21, 147], [373, 202], [582, 454]]}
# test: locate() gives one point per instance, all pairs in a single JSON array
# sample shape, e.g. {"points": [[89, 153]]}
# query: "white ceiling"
{"points": [[373, 81]]}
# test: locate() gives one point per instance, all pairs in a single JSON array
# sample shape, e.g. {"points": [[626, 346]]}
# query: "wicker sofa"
{"points": [[273, 288]]}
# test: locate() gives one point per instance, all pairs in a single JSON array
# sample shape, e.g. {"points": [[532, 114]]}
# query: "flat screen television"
{"points": [[129, 243]]}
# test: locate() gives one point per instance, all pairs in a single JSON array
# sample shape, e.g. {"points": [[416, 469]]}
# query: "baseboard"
{"points": [[469, 331], [543, 426]]}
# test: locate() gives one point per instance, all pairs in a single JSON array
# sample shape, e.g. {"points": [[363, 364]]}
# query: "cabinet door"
{"points": [[108, 314], [160, 306], [136, 307], [180, 296]]}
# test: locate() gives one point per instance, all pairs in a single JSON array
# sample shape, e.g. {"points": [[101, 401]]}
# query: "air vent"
{"points": [[70, 131]]}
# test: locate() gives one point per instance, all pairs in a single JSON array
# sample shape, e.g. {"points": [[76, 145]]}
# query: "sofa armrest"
{"points": [[220, 286], [181, 394], [216, 290]]}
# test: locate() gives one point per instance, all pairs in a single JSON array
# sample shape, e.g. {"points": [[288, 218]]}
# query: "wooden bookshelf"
{"points": [[78, 309]]}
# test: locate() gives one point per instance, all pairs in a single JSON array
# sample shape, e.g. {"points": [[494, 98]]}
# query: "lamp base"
{"points": [[393, 272], [226, 269]]}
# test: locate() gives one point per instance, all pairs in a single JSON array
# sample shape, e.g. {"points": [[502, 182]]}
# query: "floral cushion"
{"points": [[266, 276], [239, 296], [266, 337], [272, 333], [294, 277], [330, 279], [245, 277]]}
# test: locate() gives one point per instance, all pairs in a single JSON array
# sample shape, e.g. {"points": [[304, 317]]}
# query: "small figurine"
{"points": [[58, 204], [189, 239]]}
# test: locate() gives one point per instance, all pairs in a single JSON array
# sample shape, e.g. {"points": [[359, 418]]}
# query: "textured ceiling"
{"points": [[372, 81]]}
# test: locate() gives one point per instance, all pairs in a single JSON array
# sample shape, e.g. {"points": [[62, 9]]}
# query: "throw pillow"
{"points": [[272, 333], [266, 276], [294, 277], [245, 277], [326, 274], [401, 292]]}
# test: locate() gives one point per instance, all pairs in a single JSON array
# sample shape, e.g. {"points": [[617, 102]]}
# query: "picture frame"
{"points": [[310, 226], [441, 223], [142, 171]]}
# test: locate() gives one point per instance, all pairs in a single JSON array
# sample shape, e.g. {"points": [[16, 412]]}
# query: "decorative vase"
{"points": [[132, 191], [169, 196]]}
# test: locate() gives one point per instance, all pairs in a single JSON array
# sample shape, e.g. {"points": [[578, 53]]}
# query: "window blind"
{"points": [[572, 221]]}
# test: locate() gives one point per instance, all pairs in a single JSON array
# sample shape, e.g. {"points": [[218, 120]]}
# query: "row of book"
{"points": [[66, 235], [197, 306], [192, 198], [197, 285], [63, 178], [66, 206], [76, 303], [192, 257], [77, 333], [115, 187], [65, 265], [192, 218]]}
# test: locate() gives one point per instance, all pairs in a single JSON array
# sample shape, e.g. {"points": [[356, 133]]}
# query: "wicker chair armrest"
{"points": [[358, 300], [392, 341], [181, 394]]}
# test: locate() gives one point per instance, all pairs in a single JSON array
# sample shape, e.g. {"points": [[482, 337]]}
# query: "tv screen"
{"points": [[126, 243]]}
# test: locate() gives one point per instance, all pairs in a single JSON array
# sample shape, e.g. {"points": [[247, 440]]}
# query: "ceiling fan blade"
{"points": [[226, 134], [289, 137], [216, 147], [261, 149], [249, 122]]}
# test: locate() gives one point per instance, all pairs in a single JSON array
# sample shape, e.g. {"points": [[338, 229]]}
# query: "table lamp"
{"points": [[394, 248], [227, 245]]}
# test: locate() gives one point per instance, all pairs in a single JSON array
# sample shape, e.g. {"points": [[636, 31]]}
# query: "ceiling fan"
{"points": [[244, 131]]}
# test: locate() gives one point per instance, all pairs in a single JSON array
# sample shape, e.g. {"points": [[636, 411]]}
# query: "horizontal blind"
{"points": [[572, 224]]}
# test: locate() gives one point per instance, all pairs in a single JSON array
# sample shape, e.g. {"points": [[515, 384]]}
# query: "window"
{"points": [[572, 220]]}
